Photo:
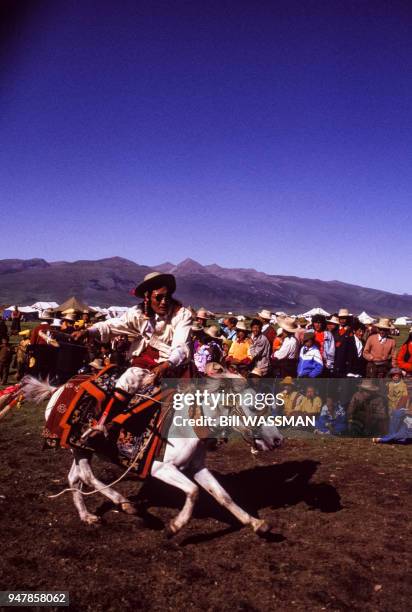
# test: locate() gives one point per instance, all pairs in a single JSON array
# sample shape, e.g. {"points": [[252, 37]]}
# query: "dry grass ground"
{"points": [[341, 513]]}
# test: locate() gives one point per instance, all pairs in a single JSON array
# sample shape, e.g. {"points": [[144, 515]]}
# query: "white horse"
{"points": [[184, 450]]}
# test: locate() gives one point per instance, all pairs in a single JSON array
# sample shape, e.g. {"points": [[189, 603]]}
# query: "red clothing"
{"points": [[320, 340], [35, 338], [405, 365]]}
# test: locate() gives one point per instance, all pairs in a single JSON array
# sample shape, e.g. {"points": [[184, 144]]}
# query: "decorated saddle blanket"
{"points": [[132, 438]]}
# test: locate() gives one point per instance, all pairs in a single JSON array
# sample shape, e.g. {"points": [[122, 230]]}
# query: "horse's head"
{"points": [[251, 419]]}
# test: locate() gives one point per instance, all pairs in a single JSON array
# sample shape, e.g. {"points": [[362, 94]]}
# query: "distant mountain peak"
{"points": [[190, 266]]}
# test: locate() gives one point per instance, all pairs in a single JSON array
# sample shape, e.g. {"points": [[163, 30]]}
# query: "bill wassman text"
{"points": [[244, 420]]}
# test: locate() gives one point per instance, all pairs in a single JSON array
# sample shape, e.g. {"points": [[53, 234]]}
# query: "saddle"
{"points": [[133, 438]]}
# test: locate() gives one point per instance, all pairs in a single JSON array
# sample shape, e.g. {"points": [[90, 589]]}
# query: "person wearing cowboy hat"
{"points": [[159, 331], [367, 413], [286, 357], [259, 350], [397, 390], [267, 328], [290, 396], [208, 348], [239, 349], [379, 350], [202, 316]]}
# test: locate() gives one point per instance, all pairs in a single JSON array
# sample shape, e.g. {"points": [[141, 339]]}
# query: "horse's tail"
{"points": [[35, 390]]}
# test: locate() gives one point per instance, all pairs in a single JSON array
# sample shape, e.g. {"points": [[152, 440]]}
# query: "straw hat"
{"points": [[213, 331], [202, 313], [46, 315], [384, 323], [333, 319], [288, 380], [288, 324], [196, 327], [368, 385], [241, 325], [265, 314], [344, 312], [154, 280], [302, 321], [25, 333], [69, 317], [97, 363]]}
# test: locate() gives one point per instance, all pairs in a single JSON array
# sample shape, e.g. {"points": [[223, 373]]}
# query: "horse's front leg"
{"points": [[208, 482], [167, 472], [75, 482]]}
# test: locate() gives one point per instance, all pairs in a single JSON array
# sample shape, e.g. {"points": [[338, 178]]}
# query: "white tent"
{"points": [[365, 318], [315, 311], [40, 306], [403, 321], [116, 311]]}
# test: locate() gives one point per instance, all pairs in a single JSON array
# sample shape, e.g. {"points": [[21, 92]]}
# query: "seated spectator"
{"points": [[310, 363], [310, 403], [289, 395], [397, 390], [332, 418], [367, 413], [214, 336]]}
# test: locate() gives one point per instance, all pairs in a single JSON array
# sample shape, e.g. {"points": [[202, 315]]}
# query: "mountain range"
{"points": [[109, 281]]}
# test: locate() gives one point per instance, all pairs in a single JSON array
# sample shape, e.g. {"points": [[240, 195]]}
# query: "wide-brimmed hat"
{"points": [[302, 321], [154, 280], [97, 363], [368, 385], [288, 380], [202, 313], [69, 317], [56, 323], [384, 323], [25, 333], [344, 312], [196, 327], [241, 325], [213, 331], [46, 315], [265, 314], [394, 371], [334, 319], [288, 324]]}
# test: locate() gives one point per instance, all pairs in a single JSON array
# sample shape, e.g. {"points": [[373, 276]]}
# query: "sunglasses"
{"points": [[162, 296]]}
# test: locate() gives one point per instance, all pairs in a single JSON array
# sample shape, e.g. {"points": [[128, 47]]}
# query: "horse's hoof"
{"points": [[262, 527], [128, 508], [91, 519]]}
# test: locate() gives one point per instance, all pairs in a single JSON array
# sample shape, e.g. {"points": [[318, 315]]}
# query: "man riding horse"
{"points": [[159, 332]]}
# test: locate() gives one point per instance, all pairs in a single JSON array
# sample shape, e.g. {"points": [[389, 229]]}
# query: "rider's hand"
{"points": [[159, 370], [78, 335]]}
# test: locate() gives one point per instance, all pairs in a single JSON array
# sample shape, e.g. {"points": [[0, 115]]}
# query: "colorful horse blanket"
{"points": [[134, 438]]}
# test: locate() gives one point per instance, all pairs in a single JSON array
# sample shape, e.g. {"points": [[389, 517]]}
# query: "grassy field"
{"points": [[340, 511]]}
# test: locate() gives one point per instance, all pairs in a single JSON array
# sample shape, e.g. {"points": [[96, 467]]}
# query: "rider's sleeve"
{"points": [[127, 324], [180, 349]]}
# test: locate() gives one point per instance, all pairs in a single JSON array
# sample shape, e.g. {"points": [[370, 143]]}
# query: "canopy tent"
{"points": [[365, 318], [403, 321], [315, 311], [73, 304], [40, 306]]}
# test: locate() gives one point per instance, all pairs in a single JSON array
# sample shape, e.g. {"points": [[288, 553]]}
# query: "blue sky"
{"points": [[273, 135]]}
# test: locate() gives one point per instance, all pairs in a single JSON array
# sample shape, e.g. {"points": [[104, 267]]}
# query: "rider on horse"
{"points": [[159, 332]]}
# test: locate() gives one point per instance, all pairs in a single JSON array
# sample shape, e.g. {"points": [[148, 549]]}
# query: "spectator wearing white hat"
{"points": [[285, 358], [267, 328]]}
